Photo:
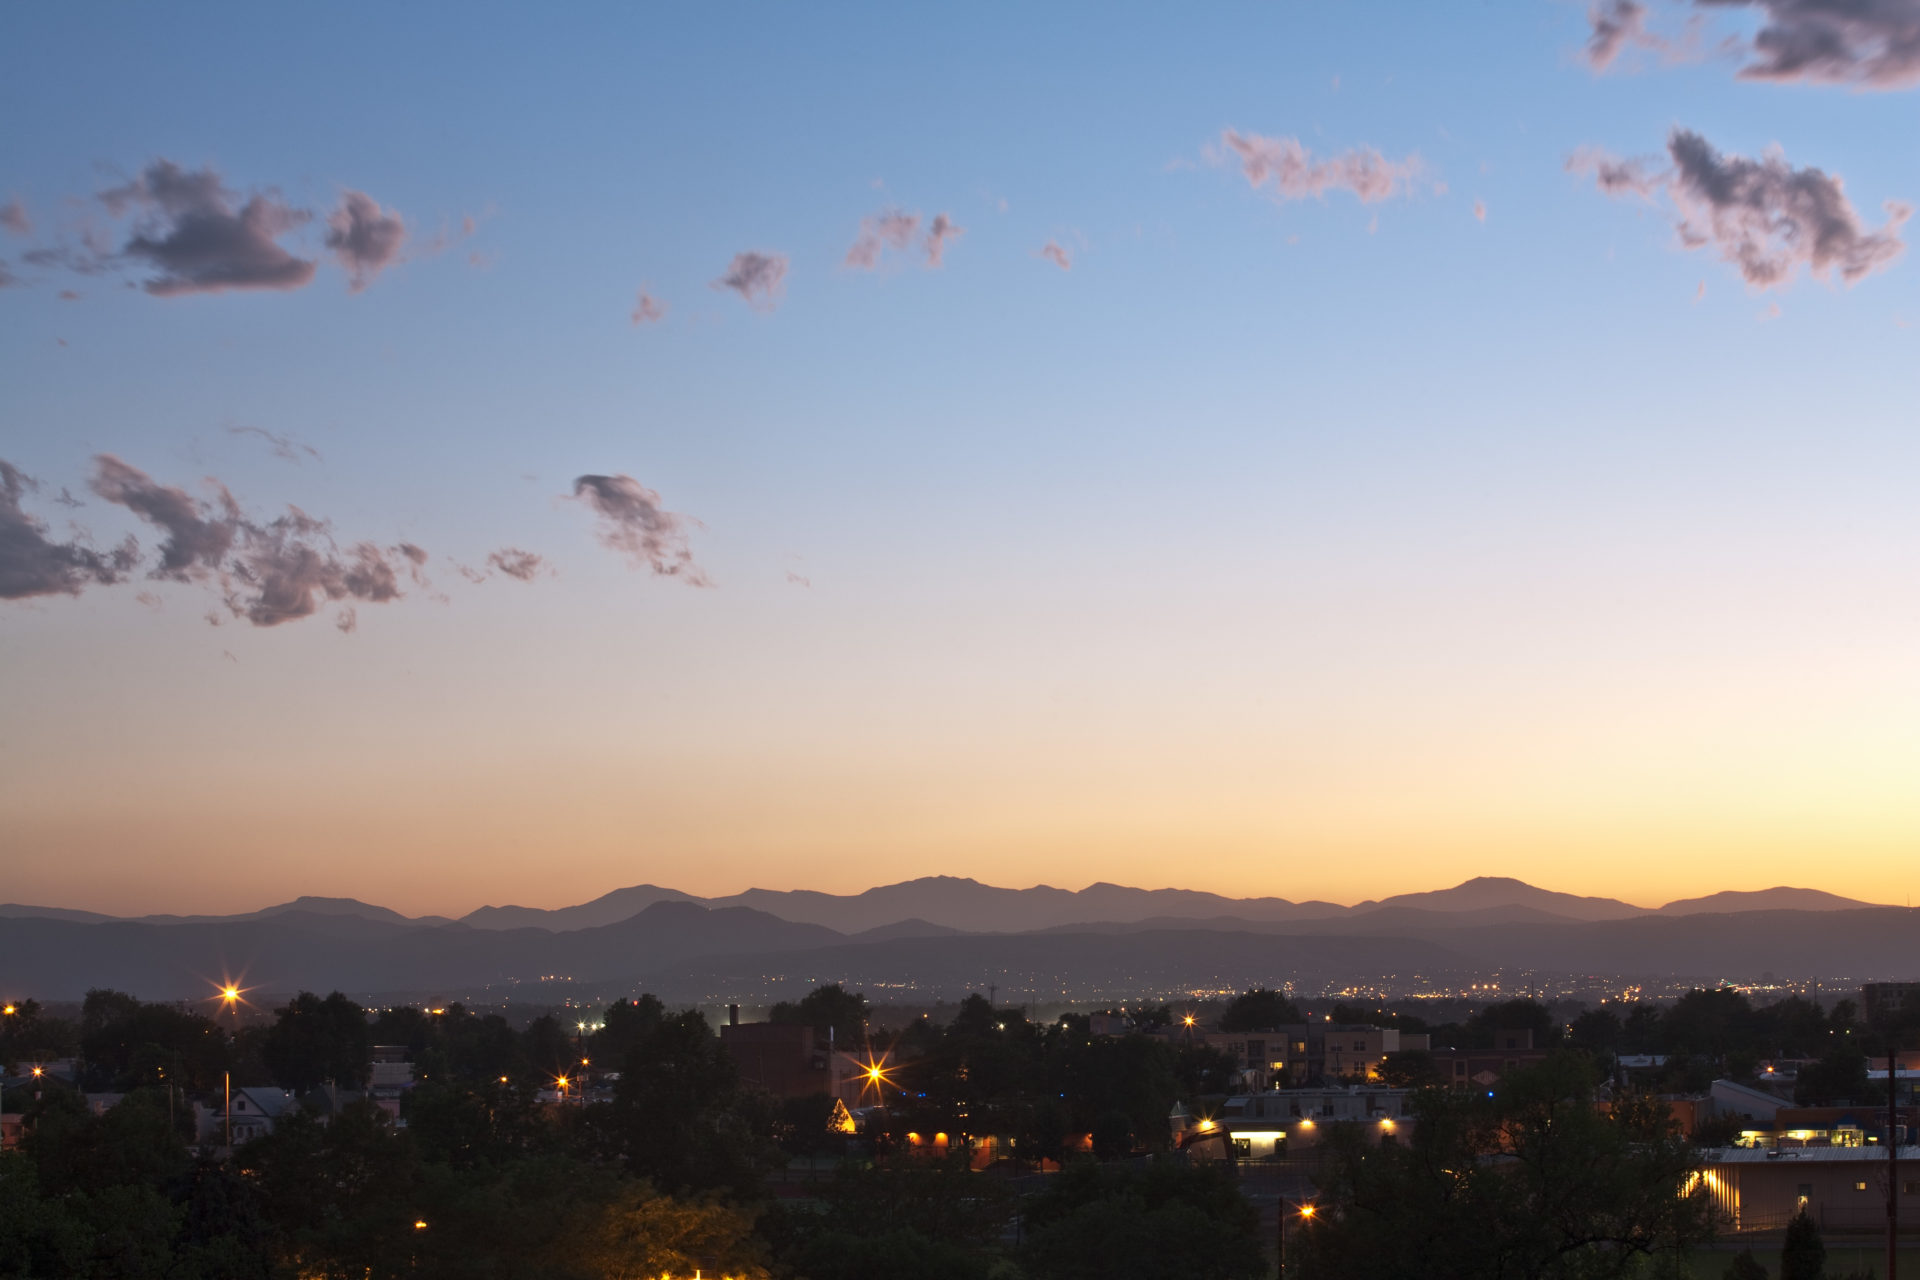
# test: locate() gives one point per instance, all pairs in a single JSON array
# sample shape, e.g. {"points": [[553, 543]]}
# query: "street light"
{"points": [[1280, 1248]]}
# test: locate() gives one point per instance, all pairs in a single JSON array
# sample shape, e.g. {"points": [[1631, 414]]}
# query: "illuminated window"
{"points": [[1859, 1186]]}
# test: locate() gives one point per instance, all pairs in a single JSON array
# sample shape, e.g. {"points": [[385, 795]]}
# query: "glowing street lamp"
{"points": [[1306, 1216]]}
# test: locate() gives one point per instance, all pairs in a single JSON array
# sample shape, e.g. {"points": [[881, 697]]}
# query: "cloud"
{"points": [[1616, 24], [633, 523], [1763, 216], [31, 564], [1480, 210], [891, 228], [283, 446], [760, 278], [269, 572], [939, 232], [1053, 253], [198, 535], [1295, 174], [13, 217], [190, 231], [1615, 176], [364, 237], [1768, 218], [1868, 44], [1621, 25], [515, 563], [648, 309], [7, 278]]}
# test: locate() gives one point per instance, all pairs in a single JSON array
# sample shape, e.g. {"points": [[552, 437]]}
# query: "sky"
{"points": [[482, 454]]}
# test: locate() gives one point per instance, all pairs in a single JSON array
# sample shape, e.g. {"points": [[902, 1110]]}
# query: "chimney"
{"points": [[733, 1015]]}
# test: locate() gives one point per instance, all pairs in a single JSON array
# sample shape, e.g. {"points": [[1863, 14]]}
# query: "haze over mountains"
{"points": [[943, 935]]}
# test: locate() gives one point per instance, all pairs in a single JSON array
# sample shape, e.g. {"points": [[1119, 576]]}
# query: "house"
{"points": [[389, 1077], [255, 1111], [1840, 1188]]}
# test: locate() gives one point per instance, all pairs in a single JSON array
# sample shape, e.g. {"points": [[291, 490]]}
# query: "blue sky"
{"points": [[1315, 547]]}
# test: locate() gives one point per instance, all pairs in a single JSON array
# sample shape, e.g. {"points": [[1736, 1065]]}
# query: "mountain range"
{"points": [[939, 934]]}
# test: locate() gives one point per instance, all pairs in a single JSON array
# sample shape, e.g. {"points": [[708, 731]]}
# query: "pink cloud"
{"points": [[364, 237], [1766, 218], [760, 278], [1295, 174], [889, 229], [939, 232], [1059, 257], [648, 309]]}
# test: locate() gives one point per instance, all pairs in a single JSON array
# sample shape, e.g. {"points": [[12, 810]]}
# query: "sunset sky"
{"points": [[1312, 450]]}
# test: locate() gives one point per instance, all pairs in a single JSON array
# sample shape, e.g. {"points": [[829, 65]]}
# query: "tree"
{"points": [[1710, 1023], [640, 1233], [1803, 1256], [1483, 1027], [1839, 1077], [1260, 1009], [317, 1041], [1410, 1069], [1598, 1031], [1532, 1183], [679, 1117], [1170, 1220], [1744, 1267], [828, 1008]]}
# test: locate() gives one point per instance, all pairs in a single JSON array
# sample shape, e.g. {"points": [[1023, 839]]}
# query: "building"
{"points": [[389, 1076], [1282, 1122], [1840, 1188], [1883, 1001], [1307, 1052], [1482, 1068], [789, 1060], [254, 1112]]}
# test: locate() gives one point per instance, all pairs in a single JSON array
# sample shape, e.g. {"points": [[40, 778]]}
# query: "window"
{"points": [[1910, 1188], [1359, 1046], [1243, 1146], [1859, 1186]]}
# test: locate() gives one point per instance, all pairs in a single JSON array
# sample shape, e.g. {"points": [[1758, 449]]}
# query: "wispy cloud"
{"points": [[648, 309], [285, 446], [190, 231], [1295, 174], [940, 232], [14, 219], [1058, 256], [633, 523], [364, 237], [515, 563], [760, 278], [33, 564], [1480, 210], [1617, 176], [1619, 27], [1763, 216], [889, 229]]}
